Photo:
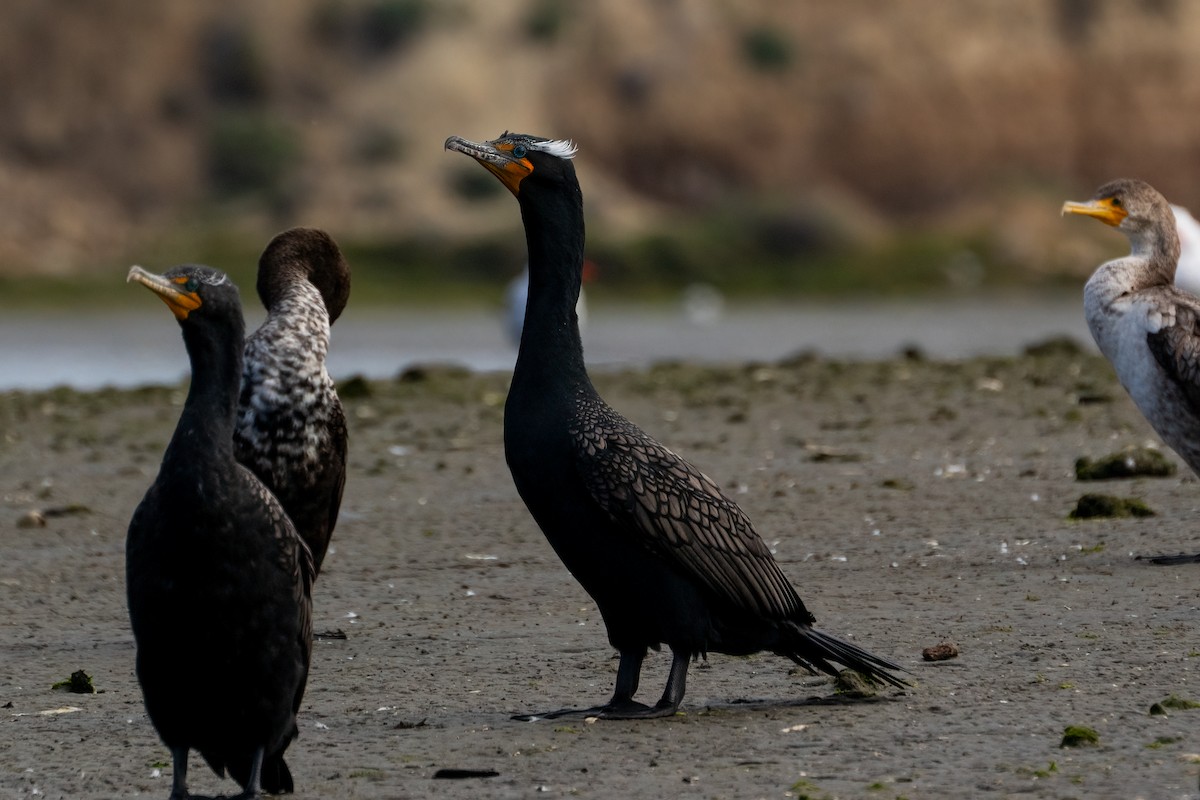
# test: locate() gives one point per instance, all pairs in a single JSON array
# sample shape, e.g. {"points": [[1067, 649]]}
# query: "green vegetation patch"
{"points": [[849, 683], [1132, 463], [1101, 506], [79, 683], [251, 153], [807, 790], [1177, 703], [767, 49], [1079, 736], [356, 387], [1162, 741]]}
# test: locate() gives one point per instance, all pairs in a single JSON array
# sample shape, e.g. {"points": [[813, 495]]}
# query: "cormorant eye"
{"points": [[519, 151], [1116, 201], [191, 285]]}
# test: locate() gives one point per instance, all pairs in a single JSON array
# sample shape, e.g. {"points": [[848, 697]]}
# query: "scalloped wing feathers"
{"points": [[680, 514], [1175, 349]]}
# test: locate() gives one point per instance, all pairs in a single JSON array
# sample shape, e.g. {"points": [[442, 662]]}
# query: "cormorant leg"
{"points": [[672, 695], [621, 705], [629, 673], [179, 758], [250, 790], [676, 682]]}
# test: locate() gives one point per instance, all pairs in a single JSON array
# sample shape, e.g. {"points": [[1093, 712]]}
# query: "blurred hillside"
{"points": [[778, 131]]}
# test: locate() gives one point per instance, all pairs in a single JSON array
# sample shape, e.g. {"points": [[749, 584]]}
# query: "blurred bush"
{"points": [[544, 19], [232, 67], [474, 184], [250, 153], [373, 29], [767, 49]]}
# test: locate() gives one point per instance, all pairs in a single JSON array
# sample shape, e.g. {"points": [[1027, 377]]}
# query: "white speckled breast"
{"points": [[287, 394]]}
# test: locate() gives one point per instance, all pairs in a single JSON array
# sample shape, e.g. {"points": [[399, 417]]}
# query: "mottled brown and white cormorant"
{"points": [[666, 556], [219, 584], [291, 430], [1144, 325]]}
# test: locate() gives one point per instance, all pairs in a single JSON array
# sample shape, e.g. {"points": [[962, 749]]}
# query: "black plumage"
{"points": [[291, 430], [665, 555], [218, 581]]}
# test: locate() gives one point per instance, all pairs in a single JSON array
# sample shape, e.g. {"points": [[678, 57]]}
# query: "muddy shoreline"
{"points": [[911, 502]]}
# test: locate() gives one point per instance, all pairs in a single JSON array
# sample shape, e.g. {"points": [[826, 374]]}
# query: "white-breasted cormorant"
{"points": [[219, 583], [291, 430], [1144, 325], [666, 556]]}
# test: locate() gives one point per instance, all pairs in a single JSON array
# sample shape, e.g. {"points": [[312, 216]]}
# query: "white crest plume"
{"points": [[563, 148]]}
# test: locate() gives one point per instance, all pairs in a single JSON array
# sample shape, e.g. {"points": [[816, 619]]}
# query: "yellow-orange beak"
{"points": [[180, 301], [1104, 210], [498, 159]]}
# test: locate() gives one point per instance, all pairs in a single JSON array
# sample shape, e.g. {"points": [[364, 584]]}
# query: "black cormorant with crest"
{"points": [[666, 556], [219, 583], [291, 430], [1148, 328]]}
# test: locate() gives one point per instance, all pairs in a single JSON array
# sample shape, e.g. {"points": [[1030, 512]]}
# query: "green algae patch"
{"points": [[79, 683], [1172, 703], [849, 683], [1162, 741], [1138, 462], [1105, 506], [1079, 736], [1055, 347], [807, 790], [356, 387]]}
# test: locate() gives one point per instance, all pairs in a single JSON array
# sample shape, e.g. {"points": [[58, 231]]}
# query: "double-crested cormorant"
{"points": [[219, 584], [1143, 324], [291, 431], [666, 556]]}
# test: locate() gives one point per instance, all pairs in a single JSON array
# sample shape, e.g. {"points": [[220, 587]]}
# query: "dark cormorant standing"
{"points": [[291, 430], [1147, 327], [665, 555], [219, 584]]}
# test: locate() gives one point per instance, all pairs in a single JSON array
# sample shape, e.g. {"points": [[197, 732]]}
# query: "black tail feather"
{"points": [[814, 648]]}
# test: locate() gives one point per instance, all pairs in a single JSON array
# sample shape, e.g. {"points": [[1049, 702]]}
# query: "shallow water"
{"points": [[135, 348]]}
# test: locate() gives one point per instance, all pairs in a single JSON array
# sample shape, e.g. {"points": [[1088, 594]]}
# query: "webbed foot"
{"points": [[624, 709]]}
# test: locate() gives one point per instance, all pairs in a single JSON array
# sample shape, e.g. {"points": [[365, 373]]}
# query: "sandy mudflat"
{"points": [[911, 503]]}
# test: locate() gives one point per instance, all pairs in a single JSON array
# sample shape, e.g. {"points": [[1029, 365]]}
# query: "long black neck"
{"points": [[551, 352], [205, 430]]}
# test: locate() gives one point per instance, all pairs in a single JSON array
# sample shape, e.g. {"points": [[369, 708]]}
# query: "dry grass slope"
{"points": [[127, 121]]}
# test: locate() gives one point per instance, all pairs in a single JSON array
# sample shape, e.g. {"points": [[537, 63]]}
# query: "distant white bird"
{"points": [[1187, 273], [517, 293], [703, 304]]}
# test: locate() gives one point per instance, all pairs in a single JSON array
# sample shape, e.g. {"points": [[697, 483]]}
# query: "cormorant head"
{"points": [[191, 291], [1128, 204], [520, 160], [310, 254]]}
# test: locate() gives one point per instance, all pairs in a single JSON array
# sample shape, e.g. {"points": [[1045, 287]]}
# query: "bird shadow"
{"points": [[760, 704]]}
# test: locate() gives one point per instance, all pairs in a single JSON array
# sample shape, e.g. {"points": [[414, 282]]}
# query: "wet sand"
{"points": [[910, 502]]}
